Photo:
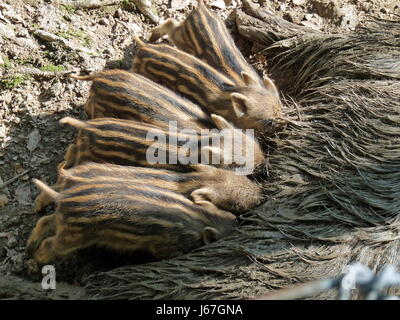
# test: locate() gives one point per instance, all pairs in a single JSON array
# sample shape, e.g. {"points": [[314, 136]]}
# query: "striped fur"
{"points": [[121, 94], [125, 217], [204, 35], [206, 183], [125, 142], [248, 107]]}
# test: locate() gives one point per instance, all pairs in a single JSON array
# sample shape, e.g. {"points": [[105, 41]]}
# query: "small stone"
{"points": [[4, 6], [22, 32], [47, 36], [12, 15], [56, 90], [134, 27], [366, 6], [103, 21], [6, 32], [349, 20], [308, 16], [311, 25], [67, 18], [12, 242], [179, 4], [29, 43], [23, 194], [118, 13], [220, 4], [34, 138]]}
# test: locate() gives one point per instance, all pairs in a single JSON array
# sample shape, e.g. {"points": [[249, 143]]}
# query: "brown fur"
{"points": [[204, 35], [206, 183], [247, 106], [124, 142], [125, 95], [125, 217]]}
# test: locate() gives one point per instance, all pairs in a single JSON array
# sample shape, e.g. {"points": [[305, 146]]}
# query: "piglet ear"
{"points": [[239, 104], [139, 42], [202, 194], [209, 235], [268, 83], [248, 79], [70, 157], [221, 122]]}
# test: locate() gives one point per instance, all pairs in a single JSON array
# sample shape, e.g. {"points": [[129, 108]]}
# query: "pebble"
{"points": [[12, 241], [12, 15], [22, 32], [179, 4], [103, 21], [349, 20], [23, 194], [118, 13], [308, 16], [57, 89], [299, 2], [6, 32], [29, 43], [34, 138], [4, 6], [220, 4], [134, 27], [311, 25], [47, 36]]}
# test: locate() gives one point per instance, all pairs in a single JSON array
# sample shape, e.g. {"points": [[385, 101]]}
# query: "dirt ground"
{"points": [[42, 42]]}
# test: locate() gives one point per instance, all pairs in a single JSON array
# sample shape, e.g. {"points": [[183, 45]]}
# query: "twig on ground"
{"points": [[143, 5], [8, 182], [44, 74], [89, 4], [51, 37]]}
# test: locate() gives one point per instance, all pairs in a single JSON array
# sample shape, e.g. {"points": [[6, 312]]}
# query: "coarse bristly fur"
{"points": [[124, 95], [223, 188], [128, 142], [247, 106], [204, 35], [335, 184], [125, 216]]}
